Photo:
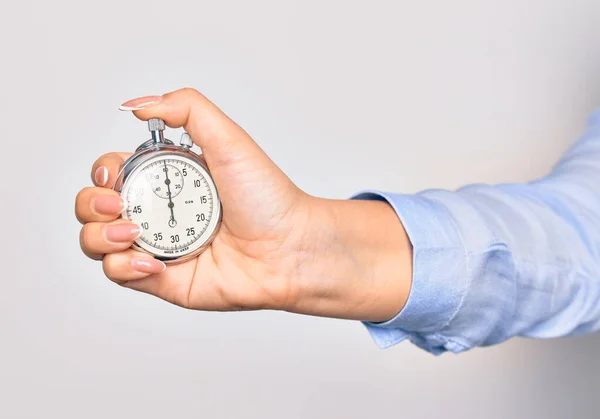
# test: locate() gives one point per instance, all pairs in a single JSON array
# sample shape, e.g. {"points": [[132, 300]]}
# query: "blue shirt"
{"points": [[495, 261]]}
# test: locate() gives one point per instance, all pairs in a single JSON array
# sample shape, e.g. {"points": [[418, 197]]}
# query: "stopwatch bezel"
{"points": [[142, 156]]}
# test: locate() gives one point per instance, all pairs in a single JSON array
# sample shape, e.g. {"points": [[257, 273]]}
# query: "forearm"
{"points": [[357, 263]]}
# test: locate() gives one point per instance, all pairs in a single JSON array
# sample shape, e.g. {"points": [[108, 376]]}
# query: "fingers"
{"points": [[97, 239], [106, 168], [101, 203], [98, 205], [130, 265], [222, 140], [139, 271], [172, 285]]}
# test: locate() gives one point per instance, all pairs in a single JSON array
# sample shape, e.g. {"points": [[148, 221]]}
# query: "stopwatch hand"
{"points": [[171, 204]]}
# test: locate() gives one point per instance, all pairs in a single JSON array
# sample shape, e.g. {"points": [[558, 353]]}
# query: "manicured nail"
{"points": [[101, 176], [147, 265], [107, 205], [140, 103], [122, 233]]}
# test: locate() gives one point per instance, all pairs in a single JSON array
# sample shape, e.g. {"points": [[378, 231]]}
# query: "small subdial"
{"points": [[167, 179]]}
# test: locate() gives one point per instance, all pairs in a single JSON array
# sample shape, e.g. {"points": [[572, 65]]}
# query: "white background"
{"points": [[343, 95]]}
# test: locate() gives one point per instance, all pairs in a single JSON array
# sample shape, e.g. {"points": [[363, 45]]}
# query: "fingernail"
{"points": [[107, 205], [121, 233], [101, 176], [140, 103], [147, 265]]}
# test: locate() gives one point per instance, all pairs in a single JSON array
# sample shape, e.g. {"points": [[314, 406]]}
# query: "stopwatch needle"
{"points": [[172, 221]]}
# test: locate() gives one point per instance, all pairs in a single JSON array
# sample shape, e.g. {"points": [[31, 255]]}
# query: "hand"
{"points": [[277, 248]]}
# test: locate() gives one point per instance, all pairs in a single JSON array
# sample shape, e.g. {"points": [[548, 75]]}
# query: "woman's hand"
{"points": [[277, 248]]}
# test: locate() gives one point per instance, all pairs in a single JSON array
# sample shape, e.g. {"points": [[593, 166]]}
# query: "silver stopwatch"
{"points": [[168, 191]]}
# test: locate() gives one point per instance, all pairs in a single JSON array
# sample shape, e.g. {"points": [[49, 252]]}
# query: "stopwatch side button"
{"points": [[186, 140]]}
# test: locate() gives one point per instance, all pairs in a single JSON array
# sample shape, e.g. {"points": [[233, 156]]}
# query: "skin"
{"points": [[278, 247]]}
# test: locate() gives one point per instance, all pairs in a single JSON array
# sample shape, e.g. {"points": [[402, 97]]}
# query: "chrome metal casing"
{"points": [[151, 149]]}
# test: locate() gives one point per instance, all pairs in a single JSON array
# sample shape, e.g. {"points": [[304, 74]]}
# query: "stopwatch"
{"points": [[168, 191]]}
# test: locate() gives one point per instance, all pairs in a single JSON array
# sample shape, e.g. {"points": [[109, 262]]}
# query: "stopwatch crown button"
{"points": [[156, 124], [186, 140]]}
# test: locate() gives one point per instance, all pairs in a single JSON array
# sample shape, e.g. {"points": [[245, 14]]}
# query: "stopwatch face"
{"points": [[174, 200]]}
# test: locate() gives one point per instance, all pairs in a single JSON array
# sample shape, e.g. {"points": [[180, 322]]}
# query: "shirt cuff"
{"points": [[440, 276]]}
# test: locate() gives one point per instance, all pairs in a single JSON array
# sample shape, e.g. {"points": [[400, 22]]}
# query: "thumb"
{"points": [[222, 141], [245, 176]]}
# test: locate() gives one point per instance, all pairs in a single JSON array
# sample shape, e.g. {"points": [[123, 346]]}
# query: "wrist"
{"points": [[356, 261]]}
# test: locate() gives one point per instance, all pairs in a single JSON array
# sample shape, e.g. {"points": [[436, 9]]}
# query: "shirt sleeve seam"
{"points": [[464, 291], [468, 281]]}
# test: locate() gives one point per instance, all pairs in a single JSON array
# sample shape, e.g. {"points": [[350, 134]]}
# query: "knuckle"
{"points": [[85, 238], [110, 268], [103, 158], [190, 91], [83, 195], [81, 203], [79, 197]]}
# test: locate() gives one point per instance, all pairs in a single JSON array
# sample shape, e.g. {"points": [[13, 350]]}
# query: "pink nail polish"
{"points": [[107, 205], [101, 176], [140, 103], [122, 233], [147, 265]]}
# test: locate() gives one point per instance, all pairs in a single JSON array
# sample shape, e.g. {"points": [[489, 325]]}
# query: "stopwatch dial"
{"points": [[174, 200], [167, 180]]}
